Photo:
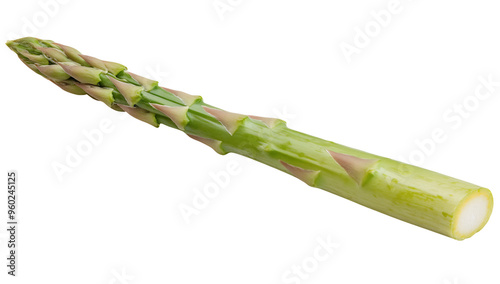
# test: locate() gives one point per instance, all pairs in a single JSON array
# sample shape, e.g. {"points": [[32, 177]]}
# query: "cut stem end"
{"points": [[472, 214]]}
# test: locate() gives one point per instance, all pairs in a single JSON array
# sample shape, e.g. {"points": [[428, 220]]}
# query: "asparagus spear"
{"points": [[445, 205]]}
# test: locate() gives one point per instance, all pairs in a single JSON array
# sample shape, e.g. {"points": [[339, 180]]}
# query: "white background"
{"points": [[115, 218]]}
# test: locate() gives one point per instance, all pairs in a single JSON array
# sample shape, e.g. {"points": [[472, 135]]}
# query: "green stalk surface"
{"points": [[421, 197]]}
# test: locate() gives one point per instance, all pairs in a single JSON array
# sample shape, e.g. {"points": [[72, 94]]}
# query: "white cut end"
{"points": [[473, 214]]}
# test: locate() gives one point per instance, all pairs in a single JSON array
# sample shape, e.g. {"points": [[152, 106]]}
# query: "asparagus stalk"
{"points": [[445, 205]]}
